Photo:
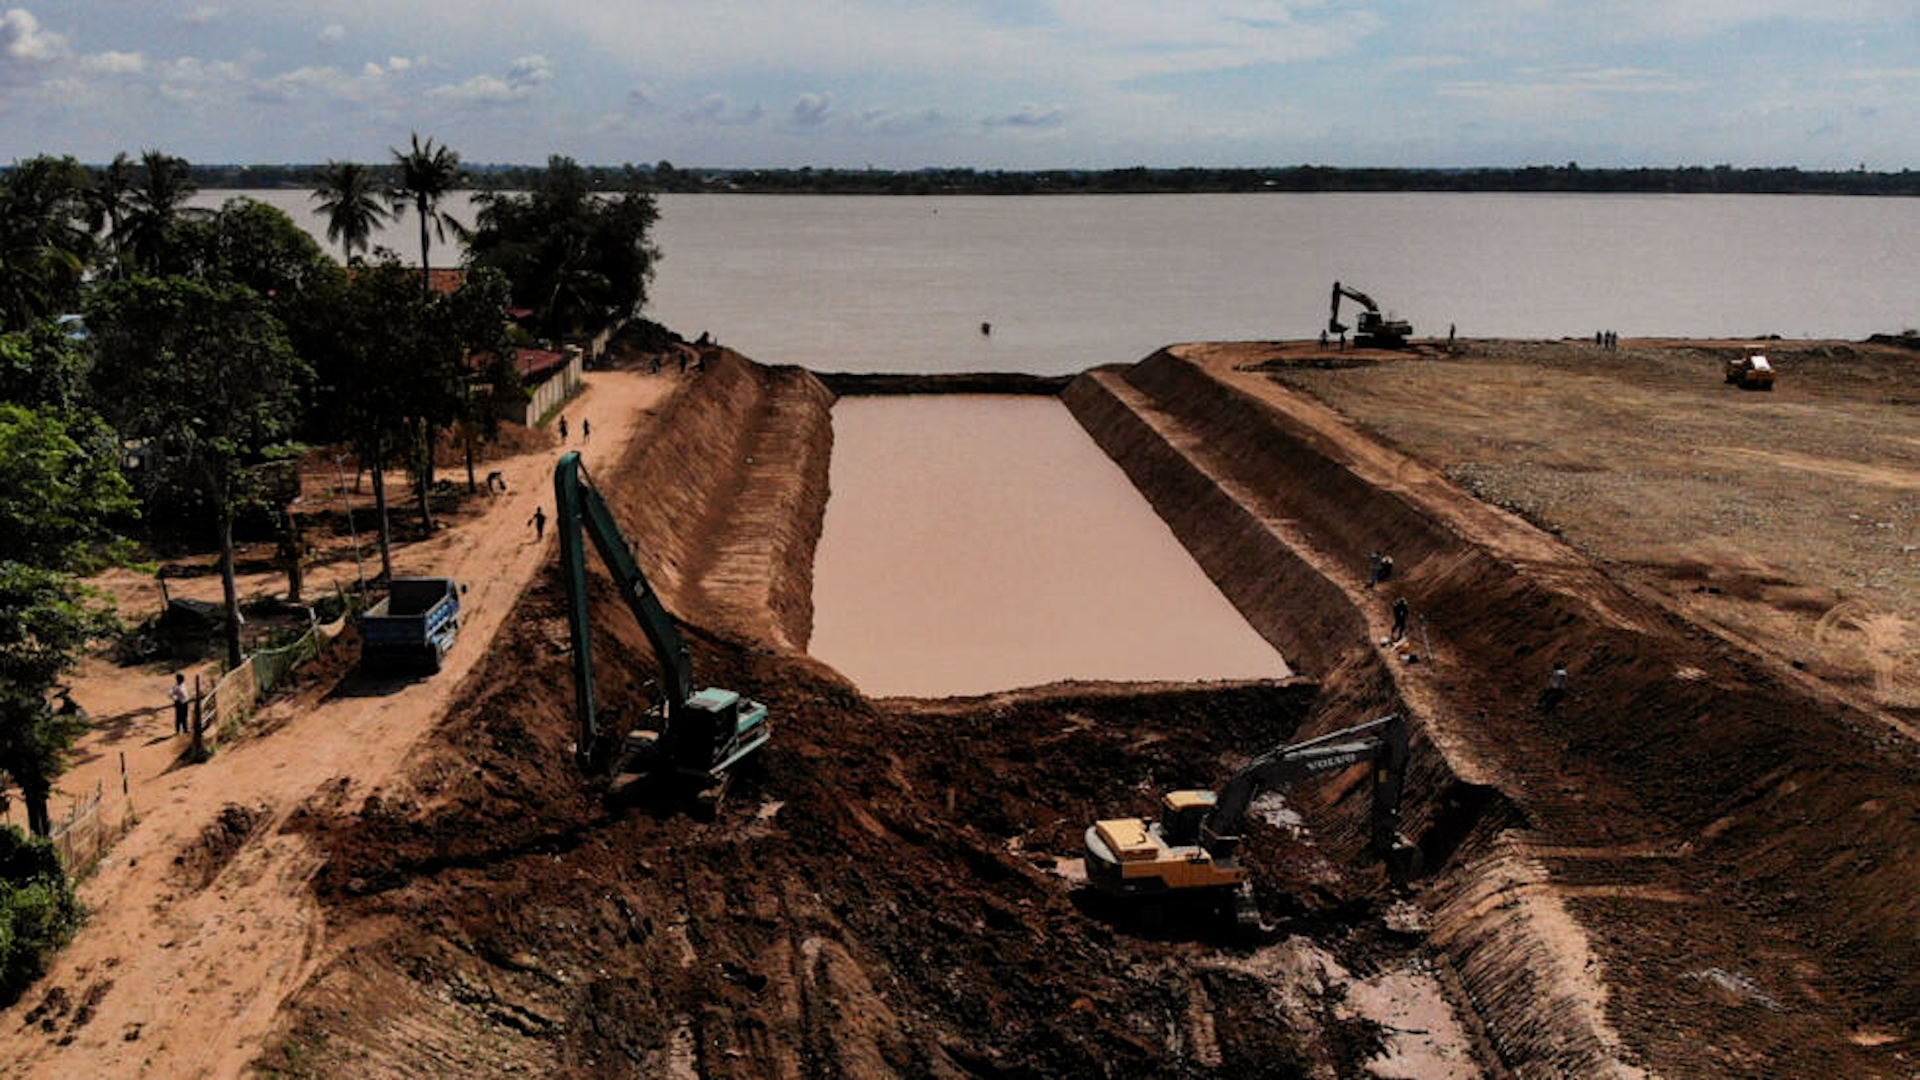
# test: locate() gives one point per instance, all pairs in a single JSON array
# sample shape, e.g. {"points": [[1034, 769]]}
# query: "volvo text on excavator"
{"points": [[1190, 852], [1371, 329], [690, 740]]}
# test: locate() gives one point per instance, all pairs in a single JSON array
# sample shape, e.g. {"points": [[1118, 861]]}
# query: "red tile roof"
{"points": [[444, 282], [534, 364]]}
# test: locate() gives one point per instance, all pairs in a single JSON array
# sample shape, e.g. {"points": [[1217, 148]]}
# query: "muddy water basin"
{"points": [[982, 542]]}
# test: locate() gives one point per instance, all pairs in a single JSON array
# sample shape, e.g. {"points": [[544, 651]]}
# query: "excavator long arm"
{"points": [[1334, 325], [579, 509], [1382, 741]]}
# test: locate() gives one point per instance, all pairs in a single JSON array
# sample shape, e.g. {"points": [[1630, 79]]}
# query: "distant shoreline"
{"points": [[1561, 179]]}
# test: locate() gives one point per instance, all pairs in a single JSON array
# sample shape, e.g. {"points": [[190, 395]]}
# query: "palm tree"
{"points": [[349, 195], [44, 241], [107, 207], [158, 201], [427, 174]]}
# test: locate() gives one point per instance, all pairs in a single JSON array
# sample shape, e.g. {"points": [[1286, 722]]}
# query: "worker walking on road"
{"points": [[586, 429], [1400, 610], [177, 693], [563, 429], [1373, 569], [539, 523], [1556, 690]]}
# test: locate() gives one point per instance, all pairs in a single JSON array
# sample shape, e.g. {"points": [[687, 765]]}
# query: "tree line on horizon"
{"points": [[663, 176], [163, 367]]}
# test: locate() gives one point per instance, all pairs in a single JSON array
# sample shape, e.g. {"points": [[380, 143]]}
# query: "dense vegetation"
{"points": [[663, 176], [38, 912], [209, 347]]}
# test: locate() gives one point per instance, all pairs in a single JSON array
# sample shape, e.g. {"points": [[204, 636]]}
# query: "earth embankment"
{"points": [[1692, 805], [1689, 867]]}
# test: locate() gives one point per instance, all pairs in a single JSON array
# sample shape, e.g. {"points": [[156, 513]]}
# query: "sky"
{"points": [[1011, 84]]}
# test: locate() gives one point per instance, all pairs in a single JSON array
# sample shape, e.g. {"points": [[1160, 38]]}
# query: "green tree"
{"points": [[391, 363], [158, 200], [38, 912], [56, 501], [349, 195], [44, 239], [477, 316], [427, 174], [108, 205], [204, 372], [249, 243], [579, 261]]}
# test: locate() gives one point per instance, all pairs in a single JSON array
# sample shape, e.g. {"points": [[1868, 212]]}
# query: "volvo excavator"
{"points": [[1191, 851], [1371, 329], [689, 740]]}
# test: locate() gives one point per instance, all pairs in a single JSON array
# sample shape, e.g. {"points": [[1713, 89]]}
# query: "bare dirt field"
{"points": [[1701, 863], [1790, 519]]}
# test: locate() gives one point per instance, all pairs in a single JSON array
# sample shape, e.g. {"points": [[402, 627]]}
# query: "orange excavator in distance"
{"points": [[1371, 329]]}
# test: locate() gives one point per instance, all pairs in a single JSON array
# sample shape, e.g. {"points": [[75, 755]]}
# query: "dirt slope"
{"points": [[1738, 851], [880, 898], [203, 919]]}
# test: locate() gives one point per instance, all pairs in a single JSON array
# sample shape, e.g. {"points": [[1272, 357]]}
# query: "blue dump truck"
{"points": [[413, 629]]}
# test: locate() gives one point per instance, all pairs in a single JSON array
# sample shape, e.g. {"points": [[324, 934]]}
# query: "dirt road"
{"points": [[201, 920]]}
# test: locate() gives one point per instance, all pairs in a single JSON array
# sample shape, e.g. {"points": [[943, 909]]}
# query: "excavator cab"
{"points": [[1186, 811]]}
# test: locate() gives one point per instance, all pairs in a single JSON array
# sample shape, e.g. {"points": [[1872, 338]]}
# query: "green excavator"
{"points": [[689, 741]]}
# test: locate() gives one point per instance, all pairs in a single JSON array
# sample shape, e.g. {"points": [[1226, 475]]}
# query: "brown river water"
{"points": [[854, 283], [978, 543]]}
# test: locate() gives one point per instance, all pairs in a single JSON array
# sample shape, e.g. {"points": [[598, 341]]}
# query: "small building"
{"points": [[549, 377]]}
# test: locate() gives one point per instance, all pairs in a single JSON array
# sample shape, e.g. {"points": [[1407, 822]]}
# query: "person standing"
{"points": [[563, 428], [586, 429], [1400, 611], [177, 693], [539, 523], [1373, 569], [1556, 689]]}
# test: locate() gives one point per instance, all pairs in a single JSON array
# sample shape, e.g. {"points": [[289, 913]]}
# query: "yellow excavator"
{"points": [[1191, 851], [1750, 372]]}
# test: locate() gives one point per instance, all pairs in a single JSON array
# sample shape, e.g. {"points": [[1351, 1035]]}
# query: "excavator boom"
{"points": [[704, 732], [1191, 849], [1371, 328]]}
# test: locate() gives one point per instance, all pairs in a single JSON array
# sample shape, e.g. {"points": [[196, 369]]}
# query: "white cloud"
{"points": [[333, 34], [716, 109], [530, 71], [811, 110], [1028, 116], [888, 122], [200, 16], [307, 83], [399, 63], [25, 47], [1880, 74], [524, 76], [114, 63]]}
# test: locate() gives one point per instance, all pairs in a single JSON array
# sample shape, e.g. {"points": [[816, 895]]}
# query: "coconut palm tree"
{"points": [[159, 200], [44, 241], [349, 194], [108, 205], [427, 174]]}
